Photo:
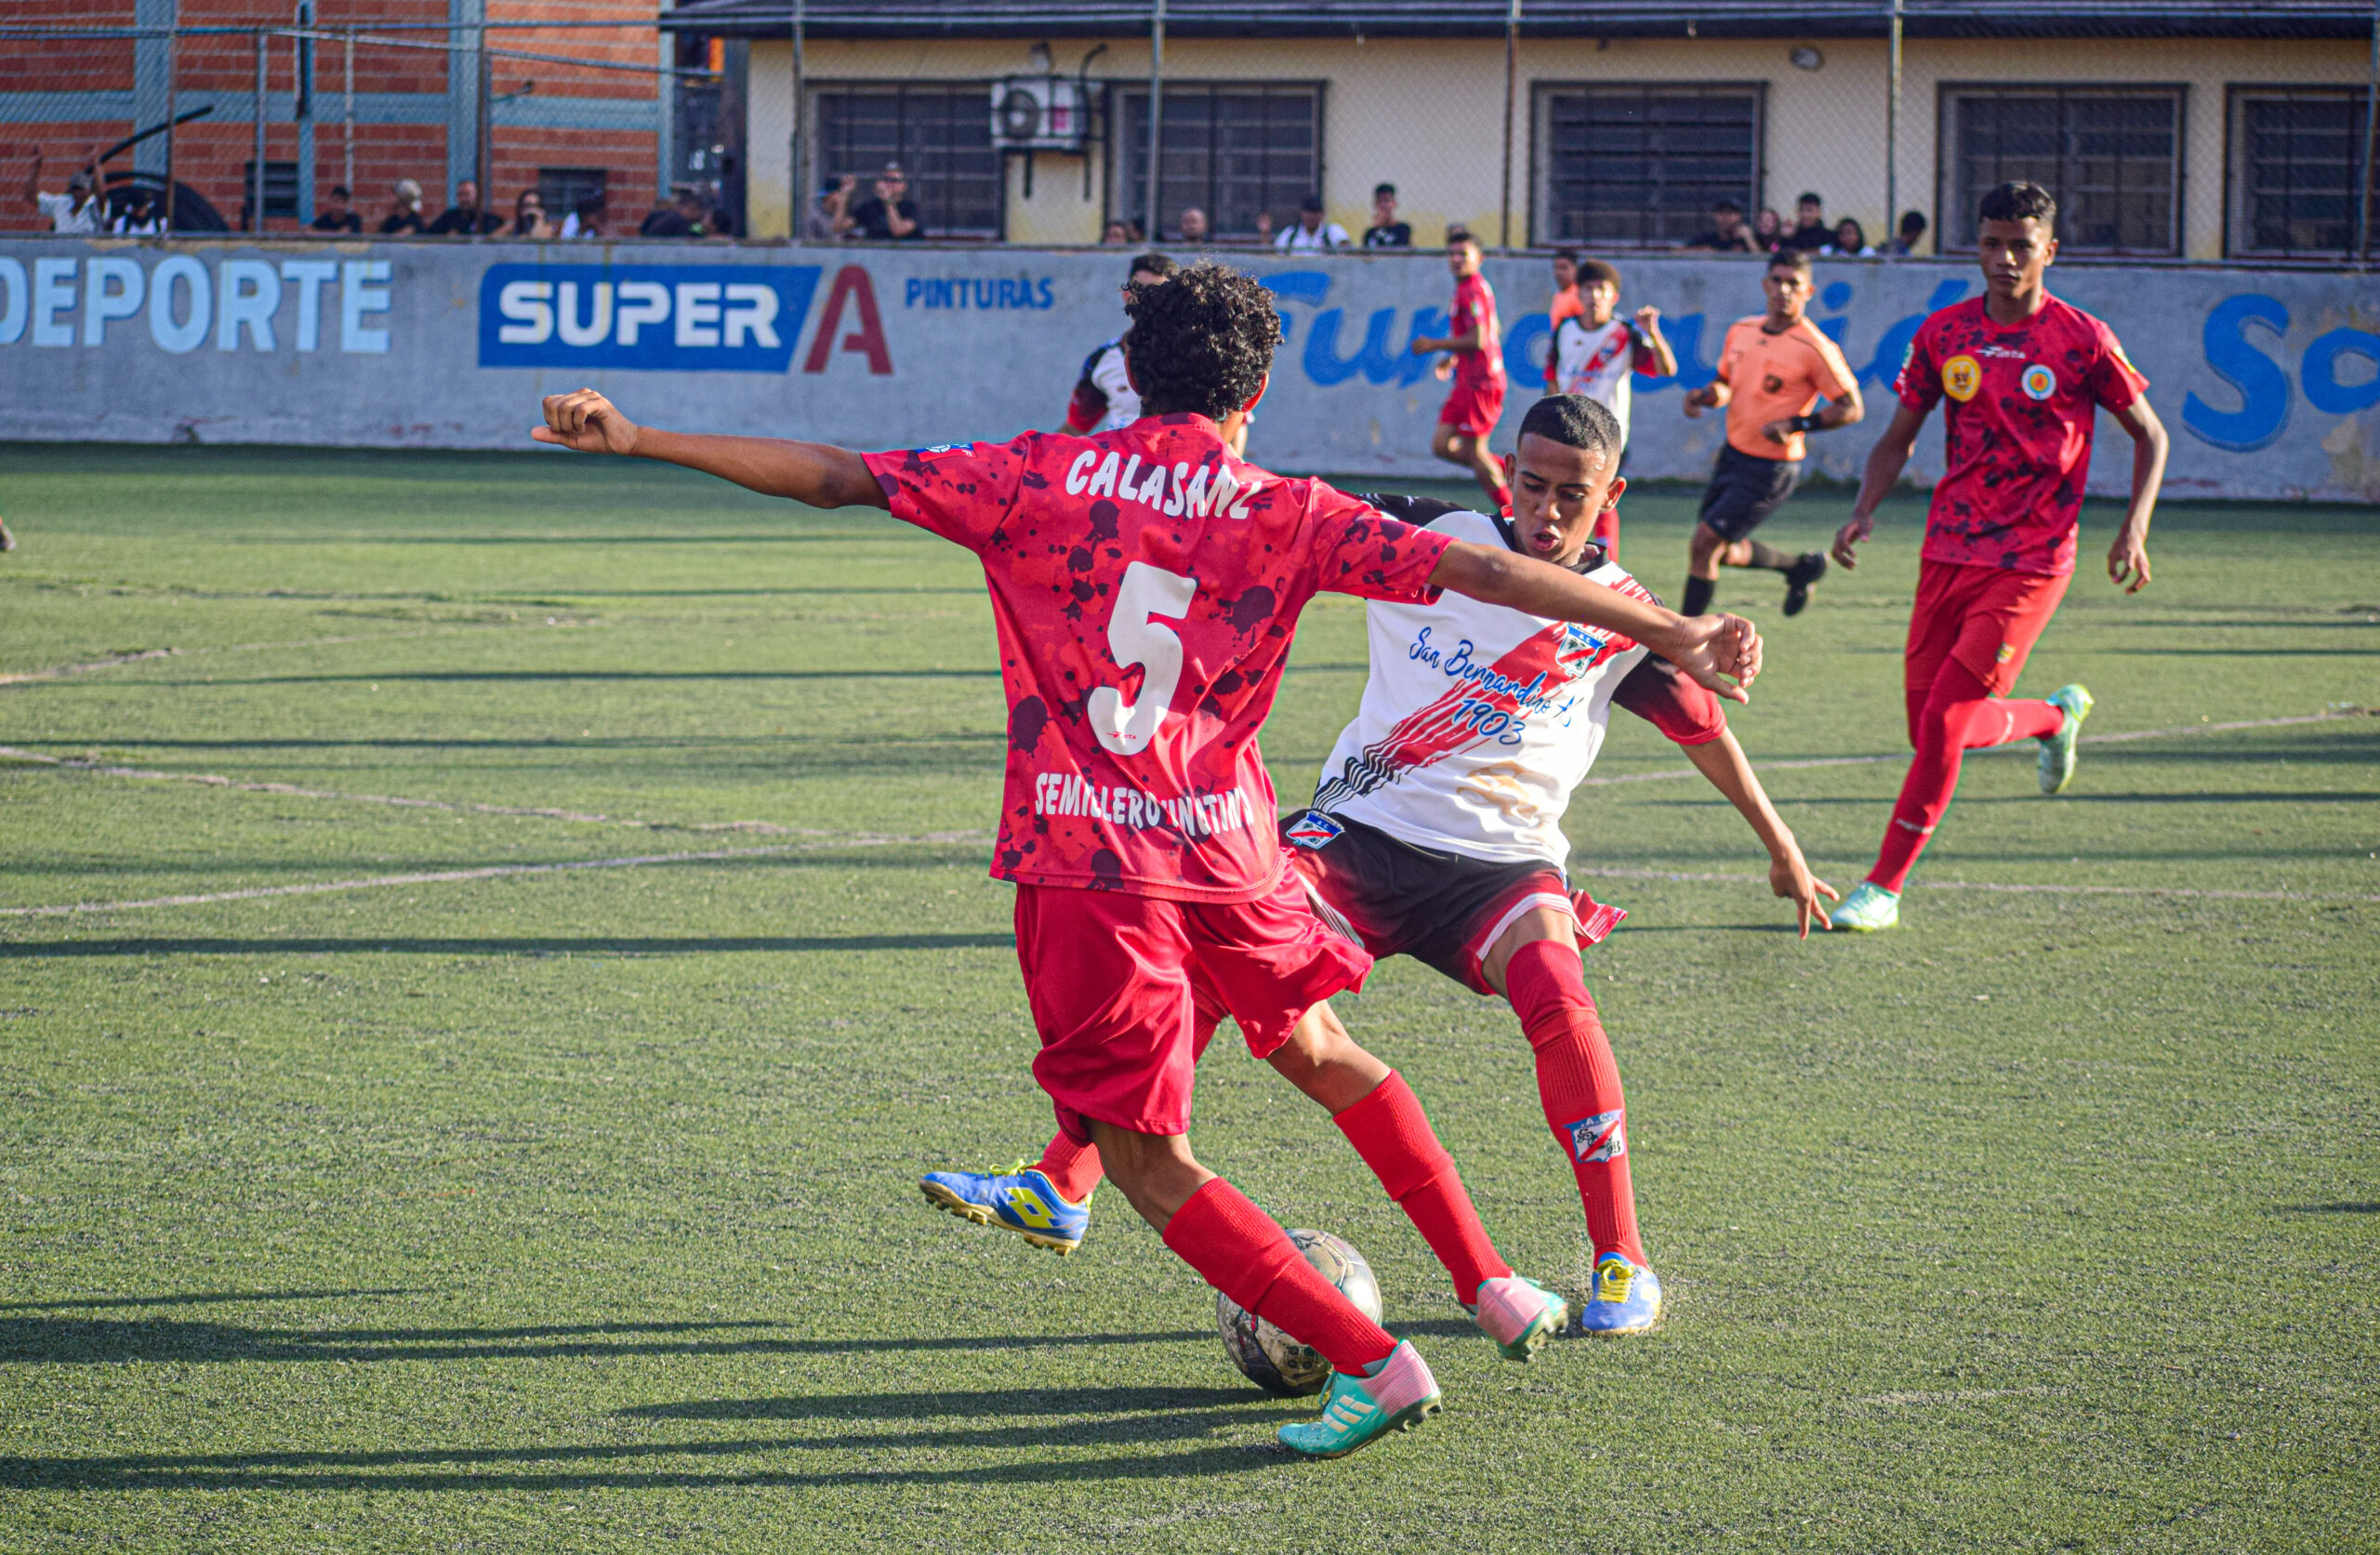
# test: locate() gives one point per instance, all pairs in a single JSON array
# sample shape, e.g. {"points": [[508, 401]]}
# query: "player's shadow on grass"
{"points": [[595, 945], [198, 1297], [111, 1341], [2362, 1206]]}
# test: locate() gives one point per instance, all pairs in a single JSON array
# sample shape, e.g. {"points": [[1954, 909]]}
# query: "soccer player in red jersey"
{"points": [[1475, 360], [2026, 375], [1145, 587]]}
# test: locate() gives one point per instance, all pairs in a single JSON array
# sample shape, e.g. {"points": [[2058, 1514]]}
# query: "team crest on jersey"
{"points": [[1314, 830], [1599, 1138], [1578, 642], [1961, 375], [2038, 382], [942, 448]]}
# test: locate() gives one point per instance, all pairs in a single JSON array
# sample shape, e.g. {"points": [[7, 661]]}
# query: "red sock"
{"points": [[1241, 1251], [1577, 1081], [1075, 1169], [1390, 1131], [1958, 714]]}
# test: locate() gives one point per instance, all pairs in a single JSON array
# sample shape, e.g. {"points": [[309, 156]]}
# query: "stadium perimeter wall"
{"points": [[2270, 380]]}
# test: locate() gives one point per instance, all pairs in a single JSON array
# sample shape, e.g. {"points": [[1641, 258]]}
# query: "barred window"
{"points": [[1640, 165], [940, 134], [560, 190], [280, 189], [1230, 150], [2294, 154], [2112, 156]]}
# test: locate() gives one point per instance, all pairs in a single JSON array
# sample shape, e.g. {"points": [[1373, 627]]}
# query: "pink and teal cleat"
{"points": [[1397, 1395], [1519, 1314]]}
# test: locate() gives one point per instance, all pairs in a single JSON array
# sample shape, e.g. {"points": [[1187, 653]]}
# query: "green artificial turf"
{"points": [[575, 1209]]}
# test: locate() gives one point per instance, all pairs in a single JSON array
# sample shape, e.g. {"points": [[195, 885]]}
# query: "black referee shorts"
{"points": [[1744, 490]]}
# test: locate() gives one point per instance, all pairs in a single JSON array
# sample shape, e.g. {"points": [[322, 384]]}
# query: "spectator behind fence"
{"points": [[686, 216], [1810, 232], [337, 214], [405, 215], [140, 218], [77, 210], [586, 218], [1386, 232], [1315, 234], [529, 217], [1850, 242], [1116, 236], [1728, 233], [1193, 225], [830, 218], [1264, 229], [465, 217], [887, 215], [1912, 232], [1767, 231]]}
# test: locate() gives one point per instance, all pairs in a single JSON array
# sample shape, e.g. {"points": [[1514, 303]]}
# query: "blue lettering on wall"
{"points": [[645, 318], [2318, 373], [1892, 349], [979, 293], [1525, 347], [2264, 388], [1374, 359]]}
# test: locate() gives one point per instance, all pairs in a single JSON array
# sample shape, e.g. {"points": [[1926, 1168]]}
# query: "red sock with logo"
{"points": [[1578, 1082], [1244, 1253], [1390, 1131], [1956, 715]]}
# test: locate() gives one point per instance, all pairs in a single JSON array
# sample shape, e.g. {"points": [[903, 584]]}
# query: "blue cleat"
{"points": [[2058, 750], [1869, 907], [1021, 1198], [1624, 1298]]}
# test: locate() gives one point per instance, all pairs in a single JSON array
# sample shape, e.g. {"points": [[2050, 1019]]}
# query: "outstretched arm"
{"points": [[2129, 556], [817, 473], [1885, 462], [1722, 761], [1715, 649]]}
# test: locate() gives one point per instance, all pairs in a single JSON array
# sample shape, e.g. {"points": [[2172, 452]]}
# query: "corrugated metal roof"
{"points": [[846, 19]]}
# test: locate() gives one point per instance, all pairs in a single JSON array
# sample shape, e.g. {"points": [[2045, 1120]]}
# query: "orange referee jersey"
{"points": [[1771, 376]]}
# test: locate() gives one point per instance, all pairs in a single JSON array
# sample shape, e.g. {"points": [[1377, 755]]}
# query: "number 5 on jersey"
{"points": [[1137, 639]]}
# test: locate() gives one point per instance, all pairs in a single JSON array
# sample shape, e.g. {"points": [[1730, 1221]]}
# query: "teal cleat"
{"points": [[1624, 1298], [1519, 1314], [1397, 1394], [2058, 750], [1021, 1199], [1869, 908]]}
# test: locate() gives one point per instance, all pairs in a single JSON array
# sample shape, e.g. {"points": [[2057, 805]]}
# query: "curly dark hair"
{"points": [[1201, 340]]}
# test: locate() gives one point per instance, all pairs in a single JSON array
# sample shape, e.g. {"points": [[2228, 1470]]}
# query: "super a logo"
{"points": [[645, 318], [1314, 830]]}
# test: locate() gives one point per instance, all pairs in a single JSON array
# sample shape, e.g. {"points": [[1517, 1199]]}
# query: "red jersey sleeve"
{"points": [[959, 491], [1664, 697], [1920, 383], [2113, 381], [1359, 550]]}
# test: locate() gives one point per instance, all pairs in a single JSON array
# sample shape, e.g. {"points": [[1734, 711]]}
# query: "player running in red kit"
{"points": [[2026, 375], [1436, 833], [1475, 360], [1145, 587]]}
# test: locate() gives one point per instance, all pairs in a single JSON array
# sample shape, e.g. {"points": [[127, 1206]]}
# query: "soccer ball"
{"points": [[1271, 1359]]}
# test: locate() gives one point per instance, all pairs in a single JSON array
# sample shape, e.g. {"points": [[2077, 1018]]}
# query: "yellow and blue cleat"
{"points": [[1869, 907], [1395, 1394], [1623, 1298], [1519, 1314], [1020, 1198], [2058, 750]]}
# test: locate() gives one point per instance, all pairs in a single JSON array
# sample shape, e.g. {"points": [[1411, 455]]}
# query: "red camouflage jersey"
{"points": [[1145, 585], [1474, 307], [2018, 432]]}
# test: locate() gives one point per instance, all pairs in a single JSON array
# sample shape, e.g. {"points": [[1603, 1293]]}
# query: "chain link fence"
{"points": [[383, 125]]}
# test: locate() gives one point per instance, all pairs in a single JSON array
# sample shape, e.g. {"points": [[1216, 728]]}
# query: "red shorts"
{"points": [[1473, 408], [1114, 982], [1985, 619]]}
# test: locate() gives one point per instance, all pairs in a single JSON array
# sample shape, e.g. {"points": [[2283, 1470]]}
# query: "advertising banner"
{"points": [[2268, 380]]}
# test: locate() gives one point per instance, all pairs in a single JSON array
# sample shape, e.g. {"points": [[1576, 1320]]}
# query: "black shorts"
{"points": [[1744, 490], [1394, 899]]}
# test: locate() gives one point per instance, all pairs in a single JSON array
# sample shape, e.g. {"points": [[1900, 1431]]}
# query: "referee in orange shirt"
{"points": [[1774, 368]]}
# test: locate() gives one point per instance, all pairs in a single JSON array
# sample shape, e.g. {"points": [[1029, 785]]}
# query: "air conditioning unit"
{"points": [[1038, 113]]}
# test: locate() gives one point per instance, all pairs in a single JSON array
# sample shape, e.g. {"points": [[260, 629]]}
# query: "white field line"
{"points": [[1668, 774], [492, 872], [25, 677], [1995, 886]]}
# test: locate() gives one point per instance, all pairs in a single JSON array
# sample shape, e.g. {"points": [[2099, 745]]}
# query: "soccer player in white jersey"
{"points": [[1104, 399], [1601, 356], [1436, 833]]}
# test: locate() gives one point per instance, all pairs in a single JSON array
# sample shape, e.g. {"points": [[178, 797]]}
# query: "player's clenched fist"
{"points": [[587, 422]]}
